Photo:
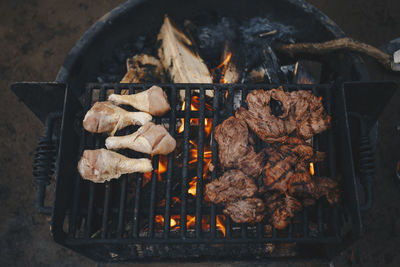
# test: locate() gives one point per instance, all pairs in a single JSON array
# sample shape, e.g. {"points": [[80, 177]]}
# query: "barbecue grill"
{"points": [[119, 220], [98, 218]]}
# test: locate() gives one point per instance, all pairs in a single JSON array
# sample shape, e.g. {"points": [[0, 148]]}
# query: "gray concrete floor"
{"points": [[36, 36]]}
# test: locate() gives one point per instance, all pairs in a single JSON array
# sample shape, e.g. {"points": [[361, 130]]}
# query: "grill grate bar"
{"points": [[153, 196], [185, 164], [121, 212], [135, 231], [305, 222], [230, 111], [105, 209], [90, 211], [331, 160], [200, 164], [214, 159], [170, 164]]}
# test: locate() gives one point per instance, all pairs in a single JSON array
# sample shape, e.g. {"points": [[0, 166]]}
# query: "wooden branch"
{"points": [[334, 45]]}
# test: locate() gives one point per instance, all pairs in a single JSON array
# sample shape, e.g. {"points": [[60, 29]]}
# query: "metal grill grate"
{"points": [[124, 211]]}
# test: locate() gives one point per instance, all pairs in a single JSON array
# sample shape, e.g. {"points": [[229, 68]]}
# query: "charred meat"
{"points": [[301, 111], [329, 188], [232, 137], [286, 167], [232, 185], [253, 163], [309, 114], [282, 208], [249, 210]]}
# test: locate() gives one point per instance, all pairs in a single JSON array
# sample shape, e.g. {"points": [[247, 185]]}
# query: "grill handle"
{"points": [[366, 172], [44, 162]]}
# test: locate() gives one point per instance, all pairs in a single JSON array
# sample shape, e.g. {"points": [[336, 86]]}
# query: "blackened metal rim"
{"points": [[179, 241], [89, 36], [210, 86]]}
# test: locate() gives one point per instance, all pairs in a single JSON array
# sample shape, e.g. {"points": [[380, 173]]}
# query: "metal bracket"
{"points": [[41, 98]]}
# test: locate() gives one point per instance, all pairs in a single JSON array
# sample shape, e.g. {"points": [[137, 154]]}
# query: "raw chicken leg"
{"points": [[150, 138], [153, 101], [102, 165], [104, 117]]}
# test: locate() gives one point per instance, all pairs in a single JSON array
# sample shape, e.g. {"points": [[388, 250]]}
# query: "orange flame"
{"points": [[162, 168], [220, 223], [224, 66], [192, 188], [191, 222], [312, 168], [159, 219], [320, 98], [194, 106]]}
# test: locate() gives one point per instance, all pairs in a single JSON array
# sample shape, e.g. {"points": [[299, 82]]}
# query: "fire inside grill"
{"points": [[171, 206]]}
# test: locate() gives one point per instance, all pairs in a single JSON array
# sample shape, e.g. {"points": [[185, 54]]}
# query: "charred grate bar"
{"points": [[157, 209]]}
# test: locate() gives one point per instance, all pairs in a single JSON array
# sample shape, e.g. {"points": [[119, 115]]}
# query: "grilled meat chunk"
{"points": [[249, 210], [281, 209], [232, 137], [301, 111], [288, 160], [253, 163], [302, 185], [309, 114], [268, 127], [259, 117], [232, 185], [329, 188]]}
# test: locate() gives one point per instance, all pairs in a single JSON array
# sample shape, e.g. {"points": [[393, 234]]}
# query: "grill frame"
{"points": [[66, 205]]}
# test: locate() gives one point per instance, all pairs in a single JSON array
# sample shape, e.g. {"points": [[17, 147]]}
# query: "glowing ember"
{"points": [[220, 223], [312, 168], [191, 222], [224, 66], [162, 168], [192, 188], [159, 219]]}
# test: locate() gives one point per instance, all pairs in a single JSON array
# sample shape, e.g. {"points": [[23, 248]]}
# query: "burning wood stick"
{"points": [[150, 139], [153, 101], [339, 44], [180, 58], [102, 165]]}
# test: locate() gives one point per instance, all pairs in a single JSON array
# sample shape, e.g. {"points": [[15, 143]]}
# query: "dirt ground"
{"points": [[36, 36]]}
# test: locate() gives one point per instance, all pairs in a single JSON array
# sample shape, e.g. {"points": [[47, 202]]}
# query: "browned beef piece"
{"points": [[262, 122], [309, 114], [287, 167], [281, 209], [268, 127], [232, 137], [277, 174], [302, 111], [301, 184], [253, 163], [329, 188], [249, 210], [232, 185]]}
